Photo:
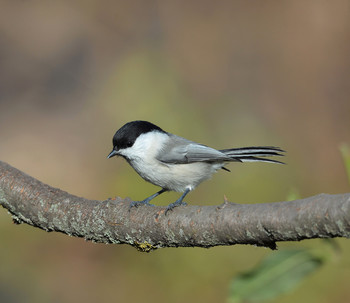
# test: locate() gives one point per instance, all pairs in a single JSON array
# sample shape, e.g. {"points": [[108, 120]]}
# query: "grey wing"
{"points": [[179, 150]]}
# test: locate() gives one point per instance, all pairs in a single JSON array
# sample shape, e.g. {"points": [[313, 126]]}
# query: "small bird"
{"points": [[175, 163]]}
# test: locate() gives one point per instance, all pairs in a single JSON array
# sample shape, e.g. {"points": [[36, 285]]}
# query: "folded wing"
{"points": [[180, 151]]}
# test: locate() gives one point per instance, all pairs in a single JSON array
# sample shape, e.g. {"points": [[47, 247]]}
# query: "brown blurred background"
{"points": [[226, 74]]}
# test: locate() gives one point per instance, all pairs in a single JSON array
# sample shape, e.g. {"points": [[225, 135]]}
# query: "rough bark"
{"points": [[146, 228]]}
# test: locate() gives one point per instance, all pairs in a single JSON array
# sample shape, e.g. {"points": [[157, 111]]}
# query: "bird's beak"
{"points": [[112, 154]]}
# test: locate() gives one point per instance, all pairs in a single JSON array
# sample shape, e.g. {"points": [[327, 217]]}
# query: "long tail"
{"points": [[254, 154]]}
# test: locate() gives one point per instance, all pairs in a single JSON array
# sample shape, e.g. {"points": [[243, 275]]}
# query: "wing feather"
{"points": [[179, 150]]}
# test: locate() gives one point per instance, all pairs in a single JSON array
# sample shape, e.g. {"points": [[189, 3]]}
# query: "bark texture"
{"points": [[147, 228]]}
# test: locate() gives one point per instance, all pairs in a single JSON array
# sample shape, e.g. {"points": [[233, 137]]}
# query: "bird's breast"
{"points": [[175, 177]]}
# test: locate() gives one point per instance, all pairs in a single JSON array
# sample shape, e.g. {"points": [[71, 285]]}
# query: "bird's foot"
{"points": [[177, 203], [139, 203]]}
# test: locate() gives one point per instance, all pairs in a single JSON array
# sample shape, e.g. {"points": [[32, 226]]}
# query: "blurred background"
{"points": [[226, 74]]}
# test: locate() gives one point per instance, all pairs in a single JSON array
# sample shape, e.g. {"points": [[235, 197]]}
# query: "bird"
{"points": [[175, 163]]}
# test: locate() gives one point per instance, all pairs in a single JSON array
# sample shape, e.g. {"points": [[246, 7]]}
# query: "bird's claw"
{"points": [[171, 206], [139, 203]]}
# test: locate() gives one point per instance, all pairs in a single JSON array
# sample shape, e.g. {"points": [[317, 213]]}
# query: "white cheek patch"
{"points": [[124, 152], [146, 146]]}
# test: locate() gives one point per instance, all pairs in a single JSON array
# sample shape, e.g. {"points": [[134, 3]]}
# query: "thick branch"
{"points": [[147, 228]]}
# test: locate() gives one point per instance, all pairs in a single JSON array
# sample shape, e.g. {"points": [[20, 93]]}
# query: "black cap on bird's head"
{"points": [[126, 136]]}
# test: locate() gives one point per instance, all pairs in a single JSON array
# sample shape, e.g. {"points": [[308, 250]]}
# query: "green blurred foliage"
{"points": [[278, 273], [227, 74], [345, 152]]}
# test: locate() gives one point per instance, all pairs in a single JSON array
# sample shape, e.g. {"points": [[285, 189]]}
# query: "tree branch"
{"points": [[147, 228]]}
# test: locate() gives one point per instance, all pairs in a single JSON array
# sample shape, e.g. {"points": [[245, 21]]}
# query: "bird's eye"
{"points": [[129, 144]]}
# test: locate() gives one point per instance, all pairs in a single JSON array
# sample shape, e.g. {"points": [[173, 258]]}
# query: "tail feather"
{"points": [[254, 154]]}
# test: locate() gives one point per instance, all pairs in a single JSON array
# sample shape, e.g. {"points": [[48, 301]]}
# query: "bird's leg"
{"points": [[146, 201], [178, 202]]}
